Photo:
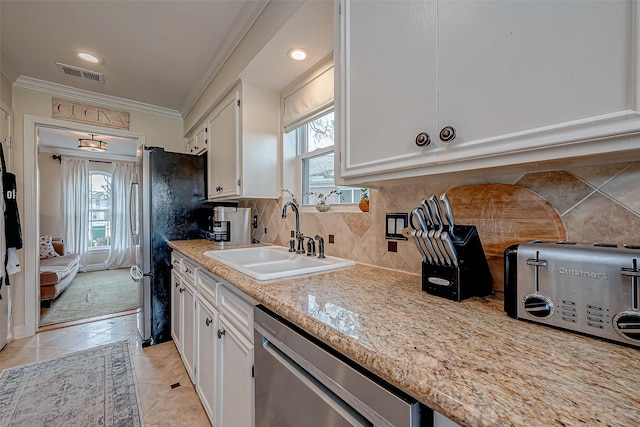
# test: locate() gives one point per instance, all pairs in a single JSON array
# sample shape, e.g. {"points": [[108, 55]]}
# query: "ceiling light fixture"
{"points": [[298, 54], [94, 145], [89, 58]]}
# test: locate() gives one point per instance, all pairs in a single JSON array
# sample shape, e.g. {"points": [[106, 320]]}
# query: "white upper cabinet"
{"points": [[199, 142], [243, 144], [514, 81], [388, 85]]}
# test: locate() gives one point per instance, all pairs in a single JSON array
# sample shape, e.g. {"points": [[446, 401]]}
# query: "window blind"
{"points": [[309, 101]]}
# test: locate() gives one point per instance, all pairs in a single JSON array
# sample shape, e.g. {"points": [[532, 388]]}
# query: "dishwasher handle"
{"points": [[314, 385]]}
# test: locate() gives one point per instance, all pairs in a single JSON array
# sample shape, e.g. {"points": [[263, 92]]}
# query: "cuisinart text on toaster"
{"points": [[583, 273]]}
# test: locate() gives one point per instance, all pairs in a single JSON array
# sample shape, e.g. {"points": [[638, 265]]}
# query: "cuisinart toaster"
{"points": [[586, 288]]}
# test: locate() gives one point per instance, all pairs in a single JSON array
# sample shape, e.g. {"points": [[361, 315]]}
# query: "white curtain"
{"points": [[75, 207], [120, 252]]}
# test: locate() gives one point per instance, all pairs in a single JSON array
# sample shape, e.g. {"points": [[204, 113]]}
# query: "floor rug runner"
{"points": [[95, 387], [93, 294]]}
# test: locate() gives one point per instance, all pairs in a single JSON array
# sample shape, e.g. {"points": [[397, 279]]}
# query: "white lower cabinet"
{"points": [[176, 310], [214, 336], [206, 355], [188, 328], [235, 365], [182, 320]]}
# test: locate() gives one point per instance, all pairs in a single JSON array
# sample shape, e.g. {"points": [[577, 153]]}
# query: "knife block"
{"points": [[472, 276]]}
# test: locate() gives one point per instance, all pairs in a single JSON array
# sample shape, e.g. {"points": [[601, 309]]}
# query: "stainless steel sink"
{"points": [[274, 262]]}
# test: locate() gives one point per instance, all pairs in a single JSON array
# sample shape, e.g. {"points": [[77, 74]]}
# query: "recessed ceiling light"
{"points": [[298, 54], [89, 57]]}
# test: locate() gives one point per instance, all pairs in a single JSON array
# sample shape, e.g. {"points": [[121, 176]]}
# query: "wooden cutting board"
{"points": [[505, 215]]}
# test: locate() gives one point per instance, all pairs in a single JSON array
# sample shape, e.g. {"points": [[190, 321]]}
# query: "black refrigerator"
{"points": [[167, 195]]}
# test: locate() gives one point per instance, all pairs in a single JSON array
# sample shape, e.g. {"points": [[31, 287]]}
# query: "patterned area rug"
{"points": [[95, 387], [92, 294]]}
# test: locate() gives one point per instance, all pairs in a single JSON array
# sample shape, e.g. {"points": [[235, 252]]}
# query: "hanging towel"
{"points": [[13, 262], [13, 231], [12, 228]]}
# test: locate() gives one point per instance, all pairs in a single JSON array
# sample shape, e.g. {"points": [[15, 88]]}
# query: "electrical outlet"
{"points": [[265, 230], [331, 238], [392, 246]]}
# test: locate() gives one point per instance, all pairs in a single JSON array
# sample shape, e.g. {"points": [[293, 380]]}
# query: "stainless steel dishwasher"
{"points": [[301, 382]]}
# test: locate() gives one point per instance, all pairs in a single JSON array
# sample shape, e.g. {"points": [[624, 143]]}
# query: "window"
{"points": [[99, 209], [314, 142]]}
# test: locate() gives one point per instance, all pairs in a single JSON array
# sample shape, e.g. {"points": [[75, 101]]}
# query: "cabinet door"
{"points": [[387, 85], [236, 377], [223, 154], [527, 74], [200, 141], [188, 328], [207, 327], [176, 310]]}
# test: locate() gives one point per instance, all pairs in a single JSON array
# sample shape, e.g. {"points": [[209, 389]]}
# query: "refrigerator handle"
{"points": [[136, 273], [133, 211]]}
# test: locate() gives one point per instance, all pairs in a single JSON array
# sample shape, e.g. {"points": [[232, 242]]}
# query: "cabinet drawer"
{"points": [[237, 310], [207, 285], [188, 270], [176, 258]]}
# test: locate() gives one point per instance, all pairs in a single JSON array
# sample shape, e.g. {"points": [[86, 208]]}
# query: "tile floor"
{"points": [[157, 367]]}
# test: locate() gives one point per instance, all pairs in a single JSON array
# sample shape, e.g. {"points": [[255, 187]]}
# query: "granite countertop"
{"points": [[467, 360]]}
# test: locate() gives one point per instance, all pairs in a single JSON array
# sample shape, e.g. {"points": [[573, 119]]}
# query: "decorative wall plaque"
{"points": [[77, 112]]}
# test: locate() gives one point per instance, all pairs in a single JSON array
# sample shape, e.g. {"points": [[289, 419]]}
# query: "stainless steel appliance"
{"points": [[166, 200], [301, 382], [586, 288], [230, 226]]}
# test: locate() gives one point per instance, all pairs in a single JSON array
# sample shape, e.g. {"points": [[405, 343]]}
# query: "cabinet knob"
{"points": [[448, 133], [422, 140], [181, 290], [208, 321], [221, 333], [218, 188]]}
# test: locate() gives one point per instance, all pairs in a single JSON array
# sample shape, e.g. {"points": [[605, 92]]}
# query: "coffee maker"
{"points": [[229, 226]]}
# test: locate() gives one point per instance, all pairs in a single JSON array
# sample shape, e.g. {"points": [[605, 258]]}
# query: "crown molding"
{"points": [[95, 98], [249, 14]]}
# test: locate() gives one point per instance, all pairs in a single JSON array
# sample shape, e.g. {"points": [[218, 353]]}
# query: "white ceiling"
{"points": [[162, 53]]}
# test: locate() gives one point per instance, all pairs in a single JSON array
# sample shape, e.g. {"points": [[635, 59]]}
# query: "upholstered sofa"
{"points": [[56, 273]]}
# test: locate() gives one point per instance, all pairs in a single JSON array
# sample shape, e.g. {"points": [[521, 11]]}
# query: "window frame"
{"points": [[102, 248]]}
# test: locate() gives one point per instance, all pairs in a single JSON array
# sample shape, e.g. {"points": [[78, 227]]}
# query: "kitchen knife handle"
{"points": [[417, 212], [435, 208], [427, 213], [450, 248], [448, 211]]}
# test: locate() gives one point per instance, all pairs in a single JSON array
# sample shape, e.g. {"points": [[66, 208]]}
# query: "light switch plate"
{"points": [[395, 223]]}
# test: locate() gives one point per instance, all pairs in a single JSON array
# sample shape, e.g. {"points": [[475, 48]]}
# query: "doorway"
{"points": [[102, 291]]}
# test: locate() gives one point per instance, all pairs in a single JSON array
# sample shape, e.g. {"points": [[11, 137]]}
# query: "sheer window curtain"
{"points": [[75, 207], [120, 252]]}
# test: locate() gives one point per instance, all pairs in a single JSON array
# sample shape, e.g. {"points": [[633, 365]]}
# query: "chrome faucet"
{"points": [[320, 246], [299, 235]]}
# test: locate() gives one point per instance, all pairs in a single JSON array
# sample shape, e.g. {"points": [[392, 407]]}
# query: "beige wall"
{"points": [[5, 90], [50, 195], [158, 130], [597, 204]]}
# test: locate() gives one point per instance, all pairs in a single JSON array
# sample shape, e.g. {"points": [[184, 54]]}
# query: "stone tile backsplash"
{"points": [[597, 204]]}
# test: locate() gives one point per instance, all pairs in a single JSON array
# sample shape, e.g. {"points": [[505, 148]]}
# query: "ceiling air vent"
{"points": [[70, 70]]}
